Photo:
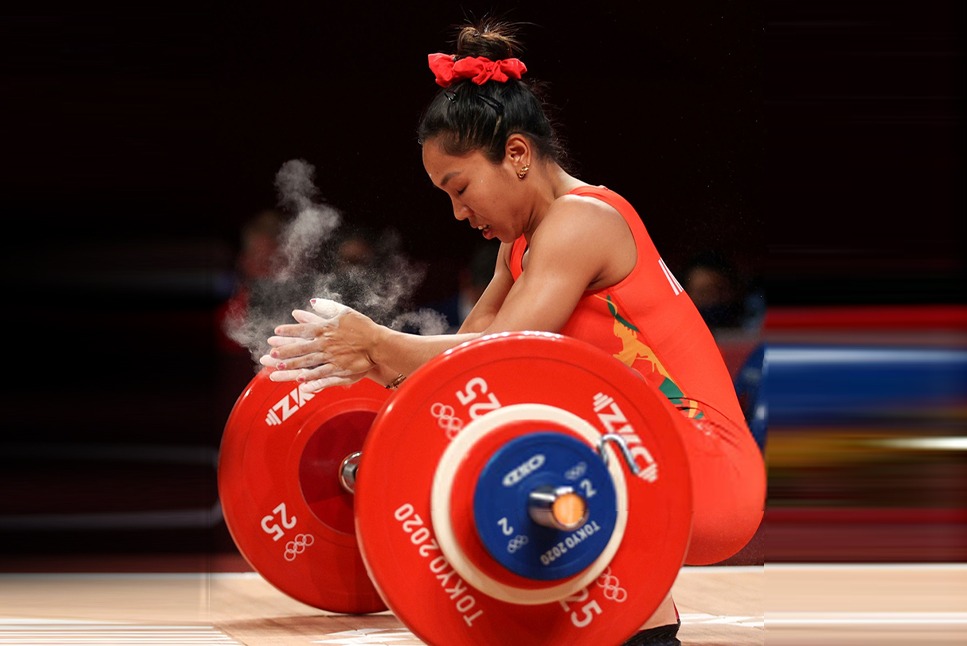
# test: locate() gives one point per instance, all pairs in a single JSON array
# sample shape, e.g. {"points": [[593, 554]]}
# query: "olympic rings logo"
{"points": [[446, 418], [612, 587], [517, 542], [297, 546]]}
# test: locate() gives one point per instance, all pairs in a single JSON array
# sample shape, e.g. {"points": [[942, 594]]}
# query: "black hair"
{"points": [[465, 116]]}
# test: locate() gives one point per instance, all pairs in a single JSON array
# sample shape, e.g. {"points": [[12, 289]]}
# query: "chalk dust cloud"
{"points": [[322, 253]]}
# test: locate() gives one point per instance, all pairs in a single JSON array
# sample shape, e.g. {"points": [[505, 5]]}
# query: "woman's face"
{"points": [[483, 193]]}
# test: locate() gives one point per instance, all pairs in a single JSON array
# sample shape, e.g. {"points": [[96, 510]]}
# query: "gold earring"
{"points": [[522, 173]]}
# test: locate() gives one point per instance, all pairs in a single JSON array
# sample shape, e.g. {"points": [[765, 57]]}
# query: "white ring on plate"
{"points": [[443, 479]]}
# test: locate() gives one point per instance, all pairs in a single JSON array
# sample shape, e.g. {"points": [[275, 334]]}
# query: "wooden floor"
{"points": [[720, 605]]}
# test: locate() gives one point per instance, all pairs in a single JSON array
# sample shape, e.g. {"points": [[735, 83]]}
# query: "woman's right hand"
{"points": [[328, 347]]}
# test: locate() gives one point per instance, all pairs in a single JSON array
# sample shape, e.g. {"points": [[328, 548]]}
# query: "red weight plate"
{"points": [[278, 482], [402, 452]]}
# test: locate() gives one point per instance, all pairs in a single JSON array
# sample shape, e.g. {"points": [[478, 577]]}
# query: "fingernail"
{"points": [[280, 366], [274, 354], [300, 379]]}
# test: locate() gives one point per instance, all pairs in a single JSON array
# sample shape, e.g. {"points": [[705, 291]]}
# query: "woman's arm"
{"points": [[581, 242], [490, 302], [336, 346]]}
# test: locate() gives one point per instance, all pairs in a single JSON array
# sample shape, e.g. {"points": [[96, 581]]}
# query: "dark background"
{"points": [[819, 143]]}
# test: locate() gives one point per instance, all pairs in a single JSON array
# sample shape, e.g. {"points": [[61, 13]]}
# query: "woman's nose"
{"points": [[460, 210]]}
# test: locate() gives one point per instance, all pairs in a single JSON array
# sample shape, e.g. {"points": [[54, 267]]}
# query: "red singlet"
{"points": [[648, 322]]}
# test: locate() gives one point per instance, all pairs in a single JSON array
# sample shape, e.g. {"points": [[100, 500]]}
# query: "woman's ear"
{"points": [[517, 150]]}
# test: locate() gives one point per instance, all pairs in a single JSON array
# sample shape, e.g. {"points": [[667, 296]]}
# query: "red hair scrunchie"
{"points": [[476, 68]]}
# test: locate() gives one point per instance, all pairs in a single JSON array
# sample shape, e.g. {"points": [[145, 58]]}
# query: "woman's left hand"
{"points": [[328, 347]]}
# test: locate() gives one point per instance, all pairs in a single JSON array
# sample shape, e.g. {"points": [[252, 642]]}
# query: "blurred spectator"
{"points": [[258, 245], [719, 292], [355, 249], [472, 279], [355, 264]]}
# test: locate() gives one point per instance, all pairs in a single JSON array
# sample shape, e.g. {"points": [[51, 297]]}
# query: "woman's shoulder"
{"points": [[584, 203], [582, 219], [583, 231]]}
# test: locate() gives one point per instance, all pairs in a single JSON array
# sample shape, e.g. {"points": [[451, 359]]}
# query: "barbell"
{"points": [[523, 487]]}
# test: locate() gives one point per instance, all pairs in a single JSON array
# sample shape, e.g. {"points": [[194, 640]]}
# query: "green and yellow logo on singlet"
{"points": [[634, 350]]}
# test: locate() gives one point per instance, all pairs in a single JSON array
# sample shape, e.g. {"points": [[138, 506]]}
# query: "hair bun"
{"points": [[491, 39]]}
